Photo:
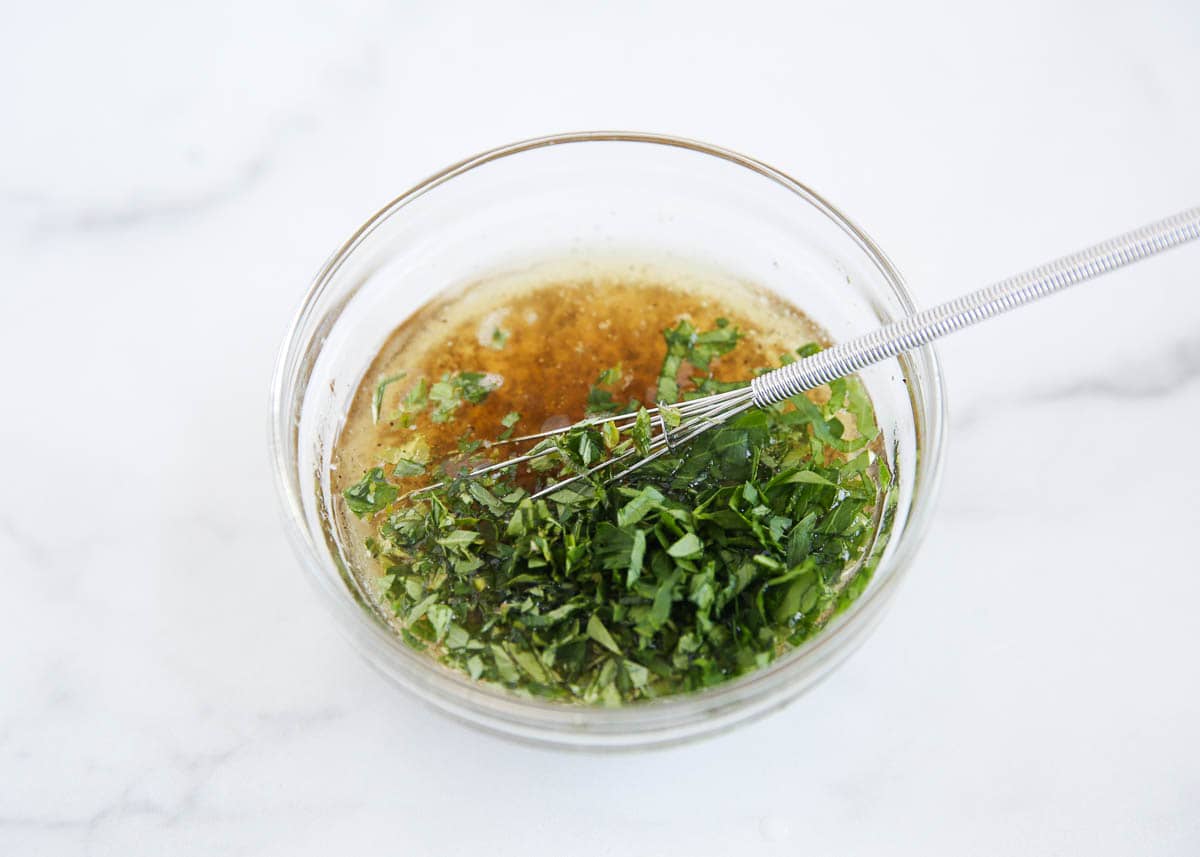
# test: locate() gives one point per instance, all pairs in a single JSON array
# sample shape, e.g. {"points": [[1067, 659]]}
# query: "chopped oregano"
{"points": [[704, 565]]}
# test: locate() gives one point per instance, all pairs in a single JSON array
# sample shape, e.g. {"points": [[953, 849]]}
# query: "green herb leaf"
{"points": [[701, 566], [597, 631], [370, 494], [440, 616], [487, 498], [473, 386], [405, 468], [380, 388], [458, 539], [637, 558], [641, 432], [414, 402], [686, 547], [641, 504], [660, 609]]}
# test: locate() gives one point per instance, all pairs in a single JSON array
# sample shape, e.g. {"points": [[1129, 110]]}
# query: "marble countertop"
{"points": [[173, 177]]}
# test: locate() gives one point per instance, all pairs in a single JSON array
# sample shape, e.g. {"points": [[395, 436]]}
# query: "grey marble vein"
{"points": [[136, 214], [197, 768], [1168, 371], [51, 218], [1177, 367]]}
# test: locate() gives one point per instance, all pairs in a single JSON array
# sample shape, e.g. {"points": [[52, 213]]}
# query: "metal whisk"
{"points": [[700, 415]]}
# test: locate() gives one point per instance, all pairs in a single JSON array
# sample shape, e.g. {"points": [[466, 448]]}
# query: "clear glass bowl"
{"points": [[642, 197]]}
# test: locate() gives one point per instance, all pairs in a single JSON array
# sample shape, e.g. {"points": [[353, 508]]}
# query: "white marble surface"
{"points": [[170, 180]]}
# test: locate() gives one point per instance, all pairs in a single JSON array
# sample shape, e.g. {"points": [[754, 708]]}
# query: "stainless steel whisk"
{"points": [[846, 358]]}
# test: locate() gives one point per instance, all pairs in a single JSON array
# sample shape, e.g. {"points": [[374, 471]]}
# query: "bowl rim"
{"points": [[684, 715]]}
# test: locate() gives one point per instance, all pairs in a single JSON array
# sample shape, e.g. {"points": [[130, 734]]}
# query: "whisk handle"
{"points": [[923, 327]]}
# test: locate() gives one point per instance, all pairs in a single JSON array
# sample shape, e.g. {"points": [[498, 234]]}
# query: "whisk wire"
{"points": [[698, 415]]}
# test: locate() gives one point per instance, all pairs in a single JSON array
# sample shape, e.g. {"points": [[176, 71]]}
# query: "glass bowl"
{"points": [[643, 197]]}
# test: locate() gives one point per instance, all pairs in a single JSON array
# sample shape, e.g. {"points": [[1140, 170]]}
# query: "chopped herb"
{"points": [[405, 468], [499, 338], [445, 401], [448, 394], [508, 421], [415, 449], [687, 546], [413, 403], [473, 386], [641, 431], [370, 494], [706, 564], [601, 401], [684, 343], [377, 399], [597, 631]]}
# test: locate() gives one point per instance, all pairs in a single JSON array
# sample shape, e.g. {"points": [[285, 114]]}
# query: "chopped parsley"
{"points": [[702, 566], [600, 400], [445, 396], [686, 345], [509, 422]]}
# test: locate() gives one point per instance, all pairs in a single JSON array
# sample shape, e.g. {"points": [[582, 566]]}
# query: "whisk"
{"points": [[675, 425]]}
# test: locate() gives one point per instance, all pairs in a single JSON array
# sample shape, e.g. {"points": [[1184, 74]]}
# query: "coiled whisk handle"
{"points": [[922, 328]]}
